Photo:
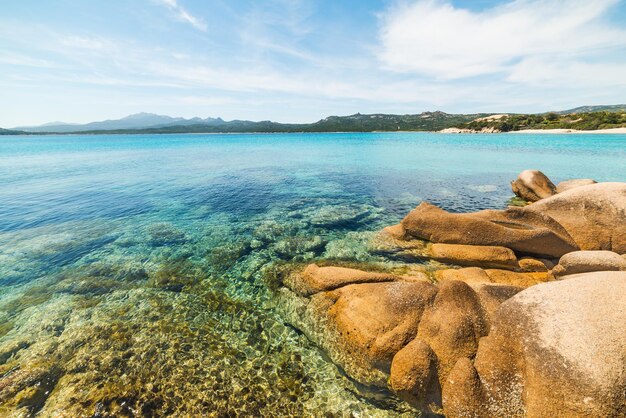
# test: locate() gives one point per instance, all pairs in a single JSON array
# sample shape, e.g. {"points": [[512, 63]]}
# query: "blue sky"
{"points": [[301, 60]]}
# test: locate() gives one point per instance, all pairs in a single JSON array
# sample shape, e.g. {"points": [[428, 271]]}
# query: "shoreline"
{"points": [[619, 131], [571, 131]]}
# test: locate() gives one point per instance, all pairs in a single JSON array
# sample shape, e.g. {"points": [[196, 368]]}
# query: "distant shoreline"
{"points": [[534, 131], [455, 131], [572, 131]]}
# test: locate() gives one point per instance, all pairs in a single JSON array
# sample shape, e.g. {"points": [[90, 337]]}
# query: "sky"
{"points": [[302, 60]]}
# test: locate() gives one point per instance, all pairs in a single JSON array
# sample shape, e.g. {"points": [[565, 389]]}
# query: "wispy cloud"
{"points": [[11, 58], [183, 15], [435, 38]]}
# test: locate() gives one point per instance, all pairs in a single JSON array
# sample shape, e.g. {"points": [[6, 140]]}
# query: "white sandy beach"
{"points": [[536, 131], [570, 131]]}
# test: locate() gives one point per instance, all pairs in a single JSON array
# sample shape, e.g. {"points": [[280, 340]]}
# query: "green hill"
{"points": [[588, 121], [11, 132]]}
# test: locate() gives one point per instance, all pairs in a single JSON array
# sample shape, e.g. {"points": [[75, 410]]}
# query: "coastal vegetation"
{"points": [[588, 121]]}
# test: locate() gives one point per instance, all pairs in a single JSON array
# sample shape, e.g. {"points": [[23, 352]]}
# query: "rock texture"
{"points": [[477, 276], [414, 375], [533, 185], [474, 255], [556, 349], [532, 264], [405, 334], [362, 326], [589, 261], [594, 215], [520, 230], [571, 184], [315, 279], [591, 217], [453, 324]]}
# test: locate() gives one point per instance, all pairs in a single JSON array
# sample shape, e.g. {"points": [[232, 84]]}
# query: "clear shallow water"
{"points": [[131, 267]]}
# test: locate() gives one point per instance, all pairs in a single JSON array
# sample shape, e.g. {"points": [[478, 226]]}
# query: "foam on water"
{"points": [[132, 268]]}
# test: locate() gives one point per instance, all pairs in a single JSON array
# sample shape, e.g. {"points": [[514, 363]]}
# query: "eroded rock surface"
{"points": [[533, 185], [589, 261], [594, 215], [399, 333], [555, 349], [571, 184], [315, 279], [362, 326], [473, 255], [529, 232]]}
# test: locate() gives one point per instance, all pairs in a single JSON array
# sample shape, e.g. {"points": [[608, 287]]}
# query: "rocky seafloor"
{"points": [[171, 317]]}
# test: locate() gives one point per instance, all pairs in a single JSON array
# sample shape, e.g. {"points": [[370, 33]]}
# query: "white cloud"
{"points": [[434, 38], [542, 71], [183, 15]]}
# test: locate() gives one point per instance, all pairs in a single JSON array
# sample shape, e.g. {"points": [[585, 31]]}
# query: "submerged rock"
{"points": [[556, 349], [333, 216], [294, 246], [533, 185], [164, 233]]}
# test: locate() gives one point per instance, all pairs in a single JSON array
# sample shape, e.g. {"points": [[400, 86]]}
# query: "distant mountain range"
{"points": [[136, 121], [587, 109], [151, 123]]}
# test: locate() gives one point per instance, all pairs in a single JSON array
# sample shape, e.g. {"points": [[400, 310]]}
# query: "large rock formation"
{"points": [[362, 326], [555, 349], [453, 324], [414, 375], [529, 232], [471, 342], [404, 332], [591, 217], [594, 215], [533, 185]]}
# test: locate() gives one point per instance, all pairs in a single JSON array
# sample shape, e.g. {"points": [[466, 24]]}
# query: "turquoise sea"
{"points": [[133, 268]]}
